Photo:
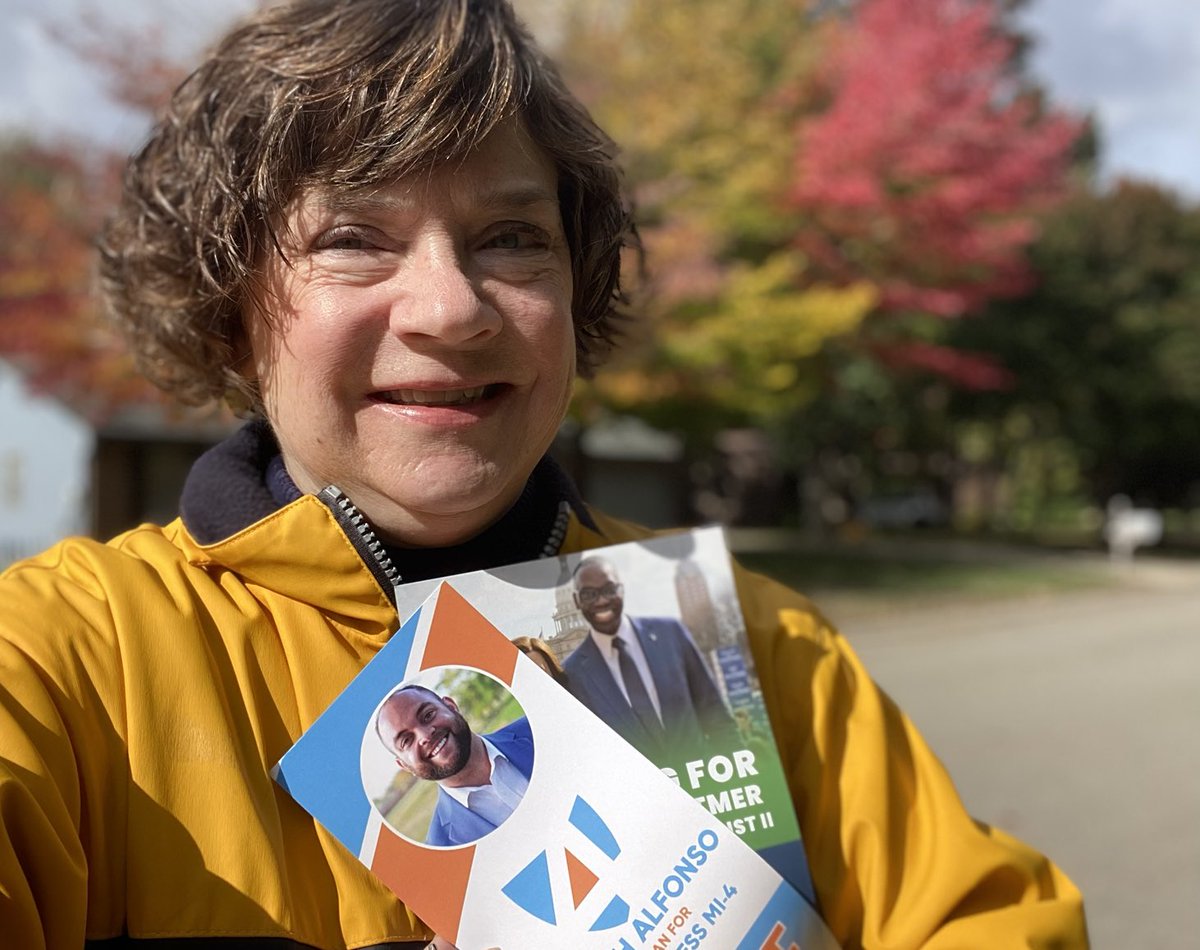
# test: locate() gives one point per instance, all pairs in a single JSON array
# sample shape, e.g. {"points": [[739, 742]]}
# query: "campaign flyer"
{"points": [[571, 839], [674, 595]]}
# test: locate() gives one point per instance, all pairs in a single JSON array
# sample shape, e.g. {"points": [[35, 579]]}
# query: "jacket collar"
{"points": [[298, 555], [228, 508], [226, 490]]}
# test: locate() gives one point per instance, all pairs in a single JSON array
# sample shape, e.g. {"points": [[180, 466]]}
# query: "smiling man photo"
{"points": [[481, 778], [642, 675]]}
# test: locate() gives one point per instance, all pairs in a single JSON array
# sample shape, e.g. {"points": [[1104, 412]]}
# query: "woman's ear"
{"points": [[242, 392]]}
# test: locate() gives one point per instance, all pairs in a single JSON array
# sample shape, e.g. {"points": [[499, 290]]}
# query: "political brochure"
{"points": [[677, 591], [574, 838]]}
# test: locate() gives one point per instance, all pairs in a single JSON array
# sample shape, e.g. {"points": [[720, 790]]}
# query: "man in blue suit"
{"points": [[642, 675], [481, 778]]}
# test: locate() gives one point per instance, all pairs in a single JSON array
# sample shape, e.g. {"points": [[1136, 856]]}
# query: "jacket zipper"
{"points": [[364, 539]]}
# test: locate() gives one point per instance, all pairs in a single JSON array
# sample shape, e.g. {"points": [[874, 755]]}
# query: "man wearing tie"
{"points": [[481, 778], [642, 675]]}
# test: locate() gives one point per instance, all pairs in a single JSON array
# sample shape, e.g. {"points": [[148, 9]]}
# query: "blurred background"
{"points": [[920, 321]]}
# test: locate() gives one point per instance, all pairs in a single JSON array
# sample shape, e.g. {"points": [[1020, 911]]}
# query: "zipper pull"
{"points": [[361, 535]]}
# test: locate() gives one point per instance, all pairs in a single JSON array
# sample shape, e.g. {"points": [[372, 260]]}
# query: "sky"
{"points": [[1135, 64], [43, 87]]}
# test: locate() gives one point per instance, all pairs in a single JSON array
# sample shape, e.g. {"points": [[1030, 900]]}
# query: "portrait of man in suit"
{"points": [[642, 675], [481, 778]]}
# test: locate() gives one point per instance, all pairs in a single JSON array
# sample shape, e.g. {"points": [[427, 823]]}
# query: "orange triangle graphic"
{"points": [[582, 878], [455, 621]]}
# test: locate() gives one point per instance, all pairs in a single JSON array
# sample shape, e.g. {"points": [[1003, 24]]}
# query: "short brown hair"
{"points": [[536, 645], [345, 94]]}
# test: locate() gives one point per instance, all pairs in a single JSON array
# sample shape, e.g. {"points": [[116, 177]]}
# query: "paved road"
{"points": [[1072, 721]]}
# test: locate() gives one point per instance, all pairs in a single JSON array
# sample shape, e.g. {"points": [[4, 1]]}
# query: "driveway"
{"points": [[1071, 720]]}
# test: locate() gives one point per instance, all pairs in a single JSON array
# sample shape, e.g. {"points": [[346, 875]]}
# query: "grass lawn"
{"points": [[891, 576]]}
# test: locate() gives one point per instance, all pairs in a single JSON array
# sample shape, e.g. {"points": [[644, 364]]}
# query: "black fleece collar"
{"points": [[226, 490], [240, 481]]}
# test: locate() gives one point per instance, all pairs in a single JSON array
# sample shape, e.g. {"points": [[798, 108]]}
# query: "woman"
{"points": [[386, 231]]}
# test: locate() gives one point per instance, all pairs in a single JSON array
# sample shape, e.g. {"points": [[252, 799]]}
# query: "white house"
{"points": [[62, 473], [45, 462]]}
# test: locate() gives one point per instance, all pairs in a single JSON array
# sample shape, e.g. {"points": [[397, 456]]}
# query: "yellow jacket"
{"points": [[147, 685]]}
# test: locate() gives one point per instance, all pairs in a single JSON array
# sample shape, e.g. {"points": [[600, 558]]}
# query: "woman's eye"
{"points": [[344, 239], [517, 239]]}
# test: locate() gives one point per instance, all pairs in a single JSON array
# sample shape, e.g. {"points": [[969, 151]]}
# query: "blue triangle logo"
{"points": [[530, 889]]}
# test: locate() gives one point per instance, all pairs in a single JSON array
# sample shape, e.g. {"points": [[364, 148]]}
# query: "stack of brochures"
{"points": [[571, 752]]}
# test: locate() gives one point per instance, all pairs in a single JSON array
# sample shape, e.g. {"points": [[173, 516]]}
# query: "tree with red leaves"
{"points": [[928, 169], [49, 208], [53, 194]]}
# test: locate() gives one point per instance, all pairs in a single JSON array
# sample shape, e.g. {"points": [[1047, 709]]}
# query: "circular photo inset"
{"points": [[447, 756]]}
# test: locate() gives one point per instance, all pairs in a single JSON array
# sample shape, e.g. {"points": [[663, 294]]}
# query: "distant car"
{"points": [[919, 509]]}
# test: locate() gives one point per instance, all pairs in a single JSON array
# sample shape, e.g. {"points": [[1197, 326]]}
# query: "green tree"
{"points": [[1105, 351]]}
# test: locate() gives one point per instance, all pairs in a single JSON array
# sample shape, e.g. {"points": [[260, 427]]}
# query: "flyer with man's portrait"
{"points": [[569, 752]]}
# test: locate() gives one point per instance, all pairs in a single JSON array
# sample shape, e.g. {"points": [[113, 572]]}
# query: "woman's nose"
{"points": [[441, 301]]}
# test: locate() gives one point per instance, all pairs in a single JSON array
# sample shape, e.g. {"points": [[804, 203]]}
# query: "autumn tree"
{"points": [[926, 171], [54, 190], [928, 168], [50, 201], [703, 99], [802, 167]]}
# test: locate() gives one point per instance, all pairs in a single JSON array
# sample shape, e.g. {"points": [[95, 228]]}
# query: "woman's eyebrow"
{"points": [[516, 195]]}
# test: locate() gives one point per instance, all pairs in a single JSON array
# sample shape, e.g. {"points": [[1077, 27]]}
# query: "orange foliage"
{"points": [[52, 199], [49, 201]]}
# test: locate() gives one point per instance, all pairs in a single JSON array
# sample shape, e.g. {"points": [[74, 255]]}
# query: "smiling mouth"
{"points": [[438, 746], [438, 397]]}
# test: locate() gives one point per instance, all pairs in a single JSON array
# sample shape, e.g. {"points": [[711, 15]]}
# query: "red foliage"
{"points": [[48, 327], [975, 372], [52, 198], [926, 171]]}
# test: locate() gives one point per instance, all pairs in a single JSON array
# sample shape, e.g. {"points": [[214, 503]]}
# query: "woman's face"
{"points": [[420, 352]]}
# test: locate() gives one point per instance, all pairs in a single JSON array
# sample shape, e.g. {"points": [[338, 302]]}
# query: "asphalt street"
{"points": [[1072, 721]]}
